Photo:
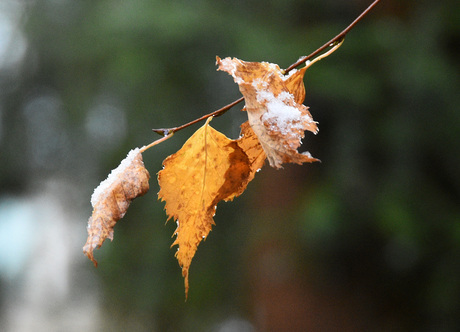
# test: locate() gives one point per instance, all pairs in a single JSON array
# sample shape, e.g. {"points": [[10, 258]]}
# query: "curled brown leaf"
{"points": [[274, 105], [112, 197]]}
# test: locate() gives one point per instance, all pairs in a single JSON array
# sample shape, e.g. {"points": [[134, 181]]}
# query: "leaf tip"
{"points": [[88, 251]]}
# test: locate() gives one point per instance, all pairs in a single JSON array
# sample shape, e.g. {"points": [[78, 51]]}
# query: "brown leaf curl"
{"points": [[274, 105], [112, 197]]}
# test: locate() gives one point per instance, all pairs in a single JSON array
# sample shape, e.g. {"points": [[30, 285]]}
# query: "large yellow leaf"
{"points": [[209, 168]]}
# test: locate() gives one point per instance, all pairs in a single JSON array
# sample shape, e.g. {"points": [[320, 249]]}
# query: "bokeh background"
{"points": [[366, 240]]}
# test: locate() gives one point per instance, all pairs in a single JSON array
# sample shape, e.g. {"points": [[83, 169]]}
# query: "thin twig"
{"points": [[158, 141], [217, 113], [334, 40], [334, 43]]}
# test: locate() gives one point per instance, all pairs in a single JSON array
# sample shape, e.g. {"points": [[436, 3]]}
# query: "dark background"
{"points": [[368, 239]]}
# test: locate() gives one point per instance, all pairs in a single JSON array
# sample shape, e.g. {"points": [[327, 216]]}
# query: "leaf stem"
{"points": [[334, 48], [334, 43], [158, 141]]}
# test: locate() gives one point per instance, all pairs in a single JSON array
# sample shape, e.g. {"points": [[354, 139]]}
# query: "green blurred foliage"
{"points": [[380, 216]]}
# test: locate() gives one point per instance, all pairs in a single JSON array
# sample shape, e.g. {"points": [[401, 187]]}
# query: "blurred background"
{"points": [[366, 240]]}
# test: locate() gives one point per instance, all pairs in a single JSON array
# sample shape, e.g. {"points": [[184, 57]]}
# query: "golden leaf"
{"points": [[274, 105], [112, 197], [209, 168]]}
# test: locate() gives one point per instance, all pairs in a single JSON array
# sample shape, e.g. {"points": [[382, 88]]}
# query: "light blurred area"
{"points": [[12, 43], [44, 285], [366, 240]]}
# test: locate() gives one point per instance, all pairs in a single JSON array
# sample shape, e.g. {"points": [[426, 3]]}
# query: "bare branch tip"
{"points": [[162, 132]]}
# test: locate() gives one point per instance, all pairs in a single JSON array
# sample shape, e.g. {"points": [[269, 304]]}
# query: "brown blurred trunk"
{"points": [[281, 295]]}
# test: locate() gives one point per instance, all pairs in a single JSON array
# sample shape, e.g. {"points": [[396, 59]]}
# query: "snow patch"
{"points": [[306, 153], [113, 176], [230, 66], [272, 66], [259, 84], [280, 114], [285, 77]]}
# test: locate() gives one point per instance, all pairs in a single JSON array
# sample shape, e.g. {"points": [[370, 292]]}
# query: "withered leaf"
{"points": [[274, 105], [249, 143], [208, 168], [112, 197]]}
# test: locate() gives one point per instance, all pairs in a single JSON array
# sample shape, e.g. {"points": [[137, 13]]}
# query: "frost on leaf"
{"points": [[275, 110], [209, 168], [112, 197]]}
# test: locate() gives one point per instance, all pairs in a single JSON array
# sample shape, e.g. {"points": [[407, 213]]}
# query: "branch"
{"points": [[334, 43], [217, 113]]}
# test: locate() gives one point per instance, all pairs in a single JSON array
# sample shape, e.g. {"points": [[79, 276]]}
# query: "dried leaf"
{"points": [[294, 84], [274, 105], [250, 144], [112, 197], [207, 169]]}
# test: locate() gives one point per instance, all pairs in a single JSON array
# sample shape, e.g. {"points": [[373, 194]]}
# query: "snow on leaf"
{"points": [[208, 168], [112, 198], [274, 105]]}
